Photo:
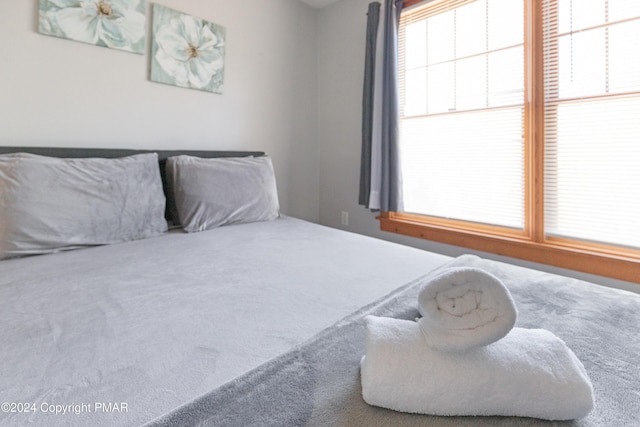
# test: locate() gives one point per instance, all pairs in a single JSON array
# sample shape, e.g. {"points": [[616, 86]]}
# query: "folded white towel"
{"points": [[464, 308], [528, 373]]}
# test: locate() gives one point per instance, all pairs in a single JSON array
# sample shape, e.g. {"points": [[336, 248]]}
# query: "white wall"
{"points": [[341, 44], [56, 92]]}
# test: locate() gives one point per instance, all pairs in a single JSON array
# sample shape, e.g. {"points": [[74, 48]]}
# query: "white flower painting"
{"points": [[117, 24], [186, 51]]}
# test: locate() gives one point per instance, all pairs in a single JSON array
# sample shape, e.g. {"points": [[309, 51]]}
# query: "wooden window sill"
{"points": [[601, 260]]}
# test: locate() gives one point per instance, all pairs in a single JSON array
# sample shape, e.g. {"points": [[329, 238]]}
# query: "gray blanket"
{"points": [[155, 323], [318, 382]]}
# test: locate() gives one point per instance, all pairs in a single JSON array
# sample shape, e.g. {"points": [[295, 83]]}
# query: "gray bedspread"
{"points": [[318, 383], [119, 335]]}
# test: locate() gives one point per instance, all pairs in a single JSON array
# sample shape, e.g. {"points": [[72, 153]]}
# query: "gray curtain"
{"points": [[373, 20], [389, 175], [391, 190]]}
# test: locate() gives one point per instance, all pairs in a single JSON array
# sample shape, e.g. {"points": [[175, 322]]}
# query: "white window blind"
{"points": [[461, 76], [592, 120]]}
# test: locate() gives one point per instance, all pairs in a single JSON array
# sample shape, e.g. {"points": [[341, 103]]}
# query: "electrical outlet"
{"points": [[345, 218]]}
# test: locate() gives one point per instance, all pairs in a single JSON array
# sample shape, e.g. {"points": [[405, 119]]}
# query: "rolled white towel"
{"points": [[464, 308], [528, 373]]}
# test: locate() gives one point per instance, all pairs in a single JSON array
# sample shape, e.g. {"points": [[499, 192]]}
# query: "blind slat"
{"points": [[592, 105], [462, 111]]}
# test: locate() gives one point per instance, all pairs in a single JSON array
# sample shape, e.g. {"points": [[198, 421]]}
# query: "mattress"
{"points": [[119, 335]]}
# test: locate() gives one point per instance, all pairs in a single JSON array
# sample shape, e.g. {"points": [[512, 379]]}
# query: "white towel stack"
{"points": [[463, 357]]}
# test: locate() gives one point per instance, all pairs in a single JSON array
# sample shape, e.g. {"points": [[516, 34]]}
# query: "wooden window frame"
{"points": [[531, 243]]}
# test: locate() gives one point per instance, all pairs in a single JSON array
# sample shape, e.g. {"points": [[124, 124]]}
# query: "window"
{"points": [[592, 120], [520, 129], [463, 112]]}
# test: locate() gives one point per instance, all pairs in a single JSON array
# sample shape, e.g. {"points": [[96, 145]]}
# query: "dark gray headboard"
{"points": [[116, 152]]}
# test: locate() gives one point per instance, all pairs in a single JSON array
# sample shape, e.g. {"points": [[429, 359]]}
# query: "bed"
{"points": [[255, 323]]}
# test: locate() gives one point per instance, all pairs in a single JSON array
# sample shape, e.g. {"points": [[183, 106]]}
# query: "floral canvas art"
{"points": [[117, 24], [186, 51]]}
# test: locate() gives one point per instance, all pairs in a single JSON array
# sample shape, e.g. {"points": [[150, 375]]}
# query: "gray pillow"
{"points": [[214, 192], [49, 204]]}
